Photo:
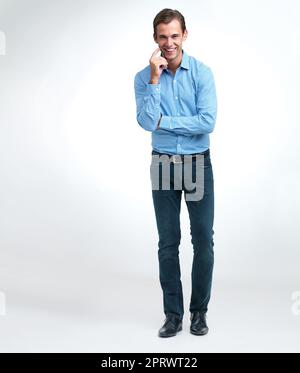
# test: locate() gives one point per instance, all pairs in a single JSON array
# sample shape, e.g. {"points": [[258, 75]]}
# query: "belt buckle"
{"points": [[176, 158]]}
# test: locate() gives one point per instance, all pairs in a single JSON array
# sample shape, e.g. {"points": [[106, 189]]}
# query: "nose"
{"points": [[169, 42]]}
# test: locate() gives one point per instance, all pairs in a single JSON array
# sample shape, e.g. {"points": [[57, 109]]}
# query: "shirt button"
{"points": [[174, 80], [176, 97]]}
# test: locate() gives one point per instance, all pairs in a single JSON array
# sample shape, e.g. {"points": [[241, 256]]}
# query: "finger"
{"points": [[155, 53], [163, 61]]}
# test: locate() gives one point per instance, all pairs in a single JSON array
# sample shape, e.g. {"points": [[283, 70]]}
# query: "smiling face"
{"points": [[169, 37]]}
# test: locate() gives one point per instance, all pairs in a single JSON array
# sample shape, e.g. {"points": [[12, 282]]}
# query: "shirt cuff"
{"points": [[165, 123], [153, 89]]}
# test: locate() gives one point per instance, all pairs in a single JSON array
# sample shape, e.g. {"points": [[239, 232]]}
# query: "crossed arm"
{"points": [[149, 114]]}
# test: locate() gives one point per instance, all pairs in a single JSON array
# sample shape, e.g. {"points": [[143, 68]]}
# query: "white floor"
{"points": [[241, 319]]}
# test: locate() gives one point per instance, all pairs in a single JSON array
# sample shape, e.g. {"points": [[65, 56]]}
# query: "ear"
{"points": [[155, 39], [185, 35]]}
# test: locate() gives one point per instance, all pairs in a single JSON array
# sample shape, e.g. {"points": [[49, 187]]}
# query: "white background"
{"points": [[78, 256]]}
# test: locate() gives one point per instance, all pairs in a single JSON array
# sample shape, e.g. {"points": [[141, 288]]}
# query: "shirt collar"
{"points": [[185, 62]]}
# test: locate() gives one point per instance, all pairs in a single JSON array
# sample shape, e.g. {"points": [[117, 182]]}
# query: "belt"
{"points": [[179, 158]]}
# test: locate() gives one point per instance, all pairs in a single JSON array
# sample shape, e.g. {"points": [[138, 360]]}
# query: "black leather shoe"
{"points": [[198, 323], [171, 327]]}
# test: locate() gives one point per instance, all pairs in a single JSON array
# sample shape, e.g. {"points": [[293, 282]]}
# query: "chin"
{"points": [[173, 58]]}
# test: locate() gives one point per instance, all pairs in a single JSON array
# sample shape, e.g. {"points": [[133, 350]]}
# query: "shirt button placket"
{"points": [[176, 95]]}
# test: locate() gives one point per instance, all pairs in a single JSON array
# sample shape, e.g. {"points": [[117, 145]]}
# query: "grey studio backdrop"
{"points": [[78, 256]]}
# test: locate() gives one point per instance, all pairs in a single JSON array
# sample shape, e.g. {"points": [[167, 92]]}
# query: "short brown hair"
{"points": [[166, 16]]}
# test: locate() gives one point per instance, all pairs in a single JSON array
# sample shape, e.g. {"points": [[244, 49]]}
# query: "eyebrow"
{"points": [[166, 36]]}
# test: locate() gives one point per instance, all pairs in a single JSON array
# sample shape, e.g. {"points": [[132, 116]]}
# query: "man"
{"points": [[176, 101]]}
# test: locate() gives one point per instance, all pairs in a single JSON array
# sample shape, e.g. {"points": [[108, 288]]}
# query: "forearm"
{"points": [[200, 124]]}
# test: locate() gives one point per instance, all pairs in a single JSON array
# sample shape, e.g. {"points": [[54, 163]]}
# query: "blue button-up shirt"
{"points": [[186, 103]]}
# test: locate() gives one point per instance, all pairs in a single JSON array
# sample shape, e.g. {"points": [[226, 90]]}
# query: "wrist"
{"points": [[154, 81]]}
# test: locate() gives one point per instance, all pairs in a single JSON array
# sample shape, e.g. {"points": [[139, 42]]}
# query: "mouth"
{"points": [[169, 50]]}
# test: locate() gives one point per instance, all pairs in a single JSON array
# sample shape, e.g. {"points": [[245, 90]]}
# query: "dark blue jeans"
{"points": [[167, 205]]}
